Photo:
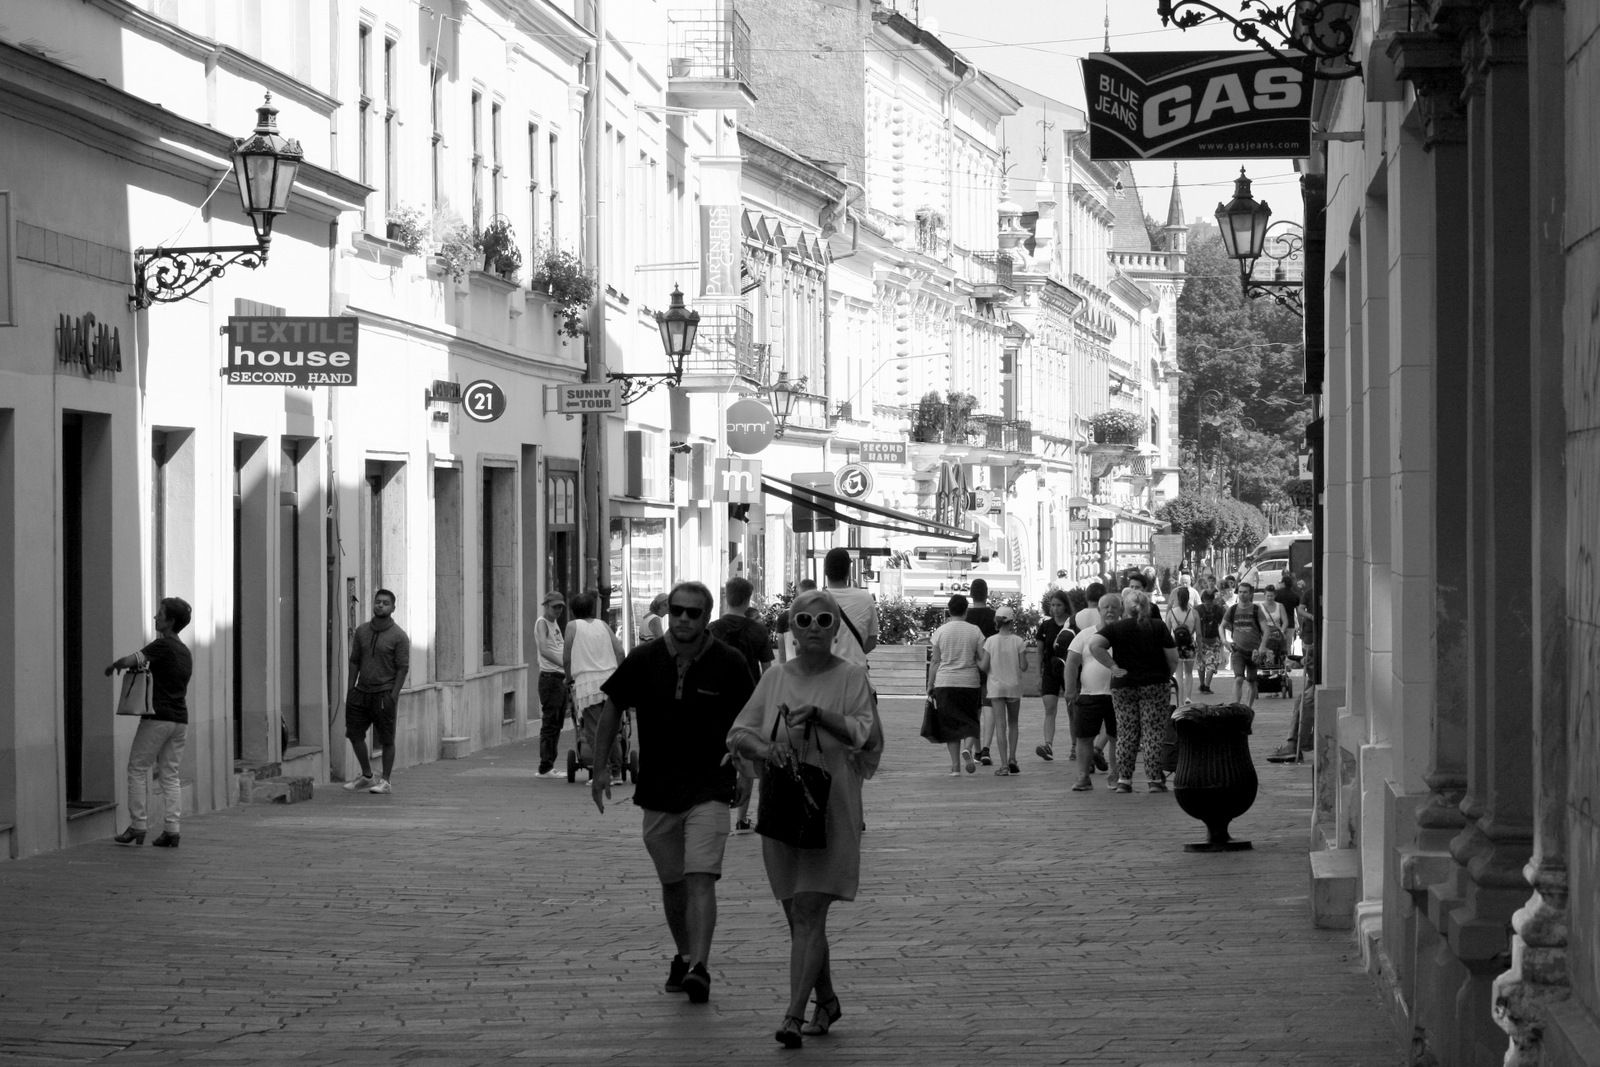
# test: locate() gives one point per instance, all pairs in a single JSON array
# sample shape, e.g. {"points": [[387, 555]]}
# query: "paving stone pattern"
{"points": [[482, 915]]}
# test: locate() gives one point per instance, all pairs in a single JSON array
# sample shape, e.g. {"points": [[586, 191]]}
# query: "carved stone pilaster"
{"points": [[1538, 977], [1432, 64]]}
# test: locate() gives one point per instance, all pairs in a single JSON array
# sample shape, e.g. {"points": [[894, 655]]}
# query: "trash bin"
{"points": [[1216, 780]]}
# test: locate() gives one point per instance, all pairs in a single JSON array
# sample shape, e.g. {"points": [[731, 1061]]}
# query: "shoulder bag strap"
{"points": [[845, 617]]}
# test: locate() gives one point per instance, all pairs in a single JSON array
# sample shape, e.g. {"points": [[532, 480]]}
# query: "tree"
{"points": [[1242, 368]]}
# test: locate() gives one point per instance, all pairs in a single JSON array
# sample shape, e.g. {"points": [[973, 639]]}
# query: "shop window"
{"points": [[448, 578]]}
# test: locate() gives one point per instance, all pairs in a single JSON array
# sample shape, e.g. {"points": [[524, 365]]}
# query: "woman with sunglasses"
{"points": [[821, 705]]}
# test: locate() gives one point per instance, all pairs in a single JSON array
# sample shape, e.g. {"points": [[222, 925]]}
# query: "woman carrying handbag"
{"points": [[162, 732], [819, 708]]}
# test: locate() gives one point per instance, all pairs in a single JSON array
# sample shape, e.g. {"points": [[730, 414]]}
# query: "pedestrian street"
{"points": [[482, 915]]}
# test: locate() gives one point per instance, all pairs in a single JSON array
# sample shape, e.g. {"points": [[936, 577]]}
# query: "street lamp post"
{"points": [[264, 167], [1247, 237]]}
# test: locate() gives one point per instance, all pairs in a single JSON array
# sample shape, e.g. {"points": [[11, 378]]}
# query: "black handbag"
{"points": [[794, 799]]}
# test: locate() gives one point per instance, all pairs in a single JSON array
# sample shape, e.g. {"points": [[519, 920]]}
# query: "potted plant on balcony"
{"points": [[408, 228], [454, 244], [498, 244], [1116, 426], [562, 276], [928, 418], [959, 426]]}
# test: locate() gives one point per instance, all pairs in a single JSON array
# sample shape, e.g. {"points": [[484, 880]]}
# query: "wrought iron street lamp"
{"points": [[1248, 235], [1322, 29], [264, 167], [678, 326], [783, 394]]}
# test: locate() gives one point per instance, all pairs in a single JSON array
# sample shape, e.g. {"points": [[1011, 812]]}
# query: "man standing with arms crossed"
{"points": [[380, 658], [685, 689]]}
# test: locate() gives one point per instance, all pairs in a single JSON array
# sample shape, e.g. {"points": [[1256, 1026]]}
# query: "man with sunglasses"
{"points": [[685, 689]]}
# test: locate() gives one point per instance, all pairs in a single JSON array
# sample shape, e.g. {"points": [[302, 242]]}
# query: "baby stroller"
{"points": [[1272, 667], [624, 760]]}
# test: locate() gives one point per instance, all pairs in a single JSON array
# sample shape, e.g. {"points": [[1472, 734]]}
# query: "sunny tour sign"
{"points": [[1197, 105], [280, 350]]}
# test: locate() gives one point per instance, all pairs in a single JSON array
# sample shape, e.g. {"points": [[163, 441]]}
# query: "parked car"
{"points": [[1277, 554]]}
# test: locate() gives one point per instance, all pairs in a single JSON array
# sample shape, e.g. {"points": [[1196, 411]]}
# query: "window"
{"points": [[496, 160], [553, 180], [535, 146], [476, 118], [364, 108], [436, 118], [391, 123], [448, 615], [497, 524], [561, 531]]}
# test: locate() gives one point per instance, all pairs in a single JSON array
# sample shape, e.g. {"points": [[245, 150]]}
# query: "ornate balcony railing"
{"points": [[724, 351], [708, 52]]}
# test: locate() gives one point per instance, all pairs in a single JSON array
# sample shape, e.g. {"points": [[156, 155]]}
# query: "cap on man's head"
{"points": [[1004, 614], [554, 597]]}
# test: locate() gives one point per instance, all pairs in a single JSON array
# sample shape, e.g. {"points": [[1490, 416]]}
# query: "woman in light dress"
{"points": [[590, 653], [821, 705]]}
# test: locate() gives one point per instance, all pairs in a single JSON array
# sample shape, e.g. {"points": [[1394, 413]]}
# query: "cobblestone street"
{"points": [[483, 915]]}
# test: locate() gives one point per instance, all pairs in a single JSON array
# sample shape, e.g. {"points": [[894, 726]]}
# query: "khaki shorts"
{"points": [[687, 842]]}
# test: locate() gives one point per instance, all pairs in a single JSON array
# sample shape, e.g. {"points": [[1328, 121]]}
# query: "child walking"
{"points": [[1002, 660]]}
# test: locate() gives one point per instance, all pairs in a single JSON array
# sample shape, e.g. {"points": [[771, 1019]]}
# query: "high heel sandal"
{"points": [[130, 836], [823, 1018], [788, 1034]]}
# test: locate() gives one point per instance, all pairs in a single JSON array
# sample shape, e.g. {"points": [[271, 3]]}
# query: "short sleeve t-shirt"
{"points": [[1005, 670], [959, 643], [746, 637], [1138, 646], [1094, 680], [983, 619], [171, 666], [683, 721], [858, 605]]}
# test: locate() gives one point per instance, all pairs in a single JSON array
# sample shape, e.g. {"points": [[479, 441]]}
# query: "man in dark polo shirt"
{"points": [[685, 690]]}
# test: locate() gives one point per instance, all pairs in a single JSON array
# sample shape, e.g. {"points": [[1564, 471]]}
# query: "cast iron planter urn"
{"points": [[1215, 781]]}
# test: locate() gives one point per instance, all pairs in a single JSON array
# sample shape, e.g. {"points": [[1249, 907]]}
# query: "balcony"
{"points": [[989, 274], [708, 54], [1007, 435], [724, 357]]}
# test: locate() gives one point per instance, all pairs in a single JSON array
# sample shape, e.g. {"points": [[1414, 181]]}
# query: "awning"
{"points": [[862, 514]]}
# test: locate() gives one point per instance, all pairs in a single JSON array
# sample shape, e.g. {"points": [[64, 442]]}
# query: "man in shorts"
{"points": [[1086, 685], [380, 659], [685, 690], [1244, 627]]}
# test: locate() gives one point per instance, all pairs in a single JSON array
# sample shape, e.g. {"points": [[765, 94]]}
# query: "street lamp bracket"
{"points": [[1322, 29]]}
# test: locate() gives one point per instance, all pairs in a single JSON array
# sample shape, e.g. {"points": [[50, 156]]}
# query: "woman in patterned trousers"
{"points": [[1141, 655]]}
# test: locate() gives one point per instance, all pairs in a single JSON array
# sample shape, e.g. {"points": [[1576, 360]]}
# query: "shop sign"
{"points": [[88, 344], [1197, 105], [853, 482], [738, 481], [1077, 518], [283, 350], [483, 401], [750, 426], [719, 250], [588, 398], [1166, 550], [883, 451]]}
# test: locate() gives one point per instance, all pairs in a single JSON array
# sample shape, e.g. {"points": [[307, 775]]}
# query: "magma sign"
{"points": [[1197, 105], [280, 350]]}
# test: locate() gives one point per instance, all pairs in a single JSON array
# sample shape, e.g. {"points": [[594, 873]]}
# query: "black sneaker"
{"points": [[697, 983], [675, 974], [1100, 763], [984, 758], [1045, 751]]}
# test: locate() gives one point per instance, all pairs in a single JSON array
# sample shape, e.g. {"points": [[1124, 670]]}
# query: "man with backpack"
{"points": [[1245, 627]]}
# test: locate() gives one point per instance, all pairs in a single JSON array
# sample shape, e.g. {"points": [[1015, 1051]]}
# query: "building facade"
{"points": [[1451, 340]]}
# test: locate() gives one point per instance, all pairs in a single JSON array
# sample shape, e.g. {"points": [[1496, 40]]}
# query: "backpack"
{"points": [[1182, 636]]}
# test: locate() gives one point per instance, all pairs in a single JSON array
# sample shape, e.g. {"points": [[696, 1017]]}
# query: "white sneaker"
{"points": [[361, 782], [381, 787]]}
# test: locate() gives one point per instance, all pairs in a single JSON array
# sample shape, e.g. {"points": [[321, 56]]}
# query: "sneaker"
{"points": [[984, 757], [365, 781], [1013, 768], [381, 787], [1284, 753], [1124, 787], [1100, 763], [742, 826], [675, 974], [553, 772], [1001, 772], [1157, 785], [1083, 785], [545, 769], [1045, 752], [697, 983]]}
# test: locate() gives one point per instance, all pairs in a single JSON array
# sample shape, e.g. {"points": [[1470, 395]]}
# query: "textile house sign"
{"points": [[283, 350], [1197, 105]]}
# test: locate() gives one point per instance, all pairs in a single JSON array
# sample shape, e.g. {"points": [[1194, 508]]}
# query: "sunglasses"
{"points": [[805, 620], [684, 609]]}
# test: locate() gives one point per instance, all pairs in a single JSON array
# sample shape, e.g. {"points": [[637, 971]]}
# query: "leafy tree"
{"points": [[1241, 363]]}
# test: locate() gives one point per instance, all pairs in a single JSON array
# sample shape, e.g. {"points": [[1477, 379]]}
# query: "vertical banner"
{"points": [[719, 250]]}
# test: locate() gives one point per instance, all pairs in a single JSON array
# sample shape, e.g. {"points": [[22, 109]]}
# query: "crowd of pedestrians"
{"points": [[719, 699]]}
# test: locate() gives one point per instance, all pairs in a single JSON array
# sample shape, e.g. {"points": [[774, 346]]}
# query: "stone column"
{"points": [[1352, 569], [1539, 976]]}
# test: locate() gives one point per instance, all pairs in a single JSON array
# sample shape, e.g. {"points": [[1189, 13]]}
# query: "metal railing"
{"points": [[723, 346], [709, 43]]}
